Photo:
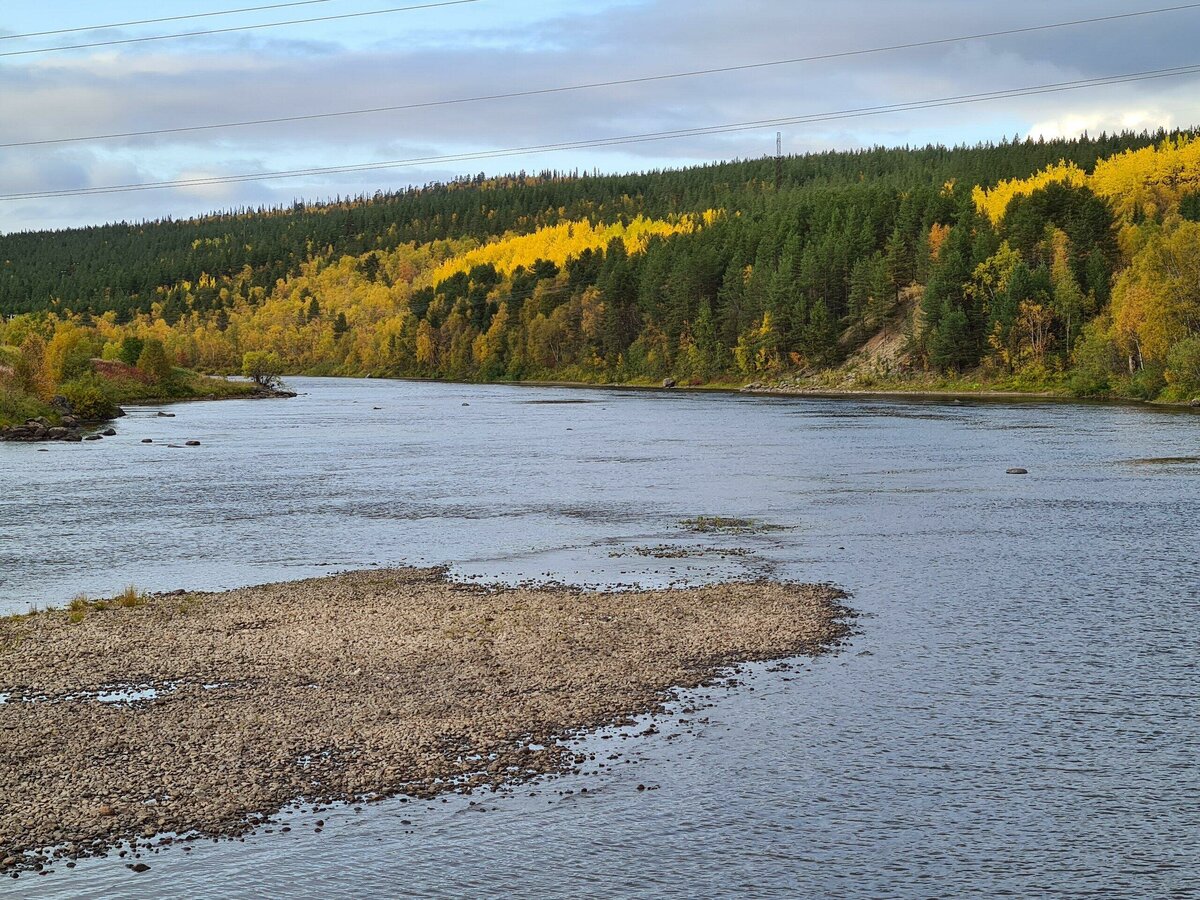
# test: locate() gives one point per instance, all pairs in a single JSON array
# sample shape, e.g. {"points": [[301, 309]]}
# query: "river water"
{"points": [[1019, 713]]}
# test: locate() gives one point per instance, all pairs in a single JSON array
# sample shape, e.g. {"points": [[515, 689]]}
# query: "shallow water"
{"points": [[1018, 713]]}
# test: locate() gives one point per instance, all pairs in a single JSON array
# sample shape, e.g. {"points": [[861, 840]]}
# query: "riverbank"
{"points": [[357, 686], [914, 390], [76, 416]]}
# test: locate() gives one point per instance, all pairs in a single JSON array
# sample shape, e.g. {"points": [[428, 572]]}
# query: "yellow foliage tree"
{"points": [[994, 202], [1151, 180], [558, 243], [1156, 303]]}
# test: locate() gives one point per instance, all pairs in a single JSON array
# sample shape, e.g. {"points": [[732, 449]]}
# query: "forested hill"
{"points": [[124, 267], [1064, 266]]}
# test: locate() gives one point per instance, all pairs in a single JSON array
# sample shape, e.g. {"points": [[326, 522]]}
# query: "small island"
{"points": [[202, 714]]}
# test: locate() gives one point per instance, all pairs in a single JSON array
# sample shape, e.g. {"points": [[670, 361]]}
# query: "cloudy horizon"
{"points": [[500, 46]]}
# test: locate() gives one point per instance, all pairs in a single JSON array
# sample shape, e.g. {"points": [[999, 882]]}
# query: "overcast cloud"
{"points": [[512, 45]]}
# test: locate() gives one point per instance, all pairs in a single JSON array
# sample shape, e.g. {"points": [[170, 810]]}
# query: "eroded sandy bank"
{"points": [[363, 685]]}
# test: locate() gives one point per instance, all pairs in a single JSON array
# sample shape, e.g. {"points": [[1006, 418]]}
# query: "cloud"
{"points": [[257, 75]]}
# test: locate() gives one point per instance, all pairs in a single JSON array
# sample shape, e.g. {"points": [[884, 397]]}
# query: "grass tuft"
{"points": [[130, 598], [81, 604]]}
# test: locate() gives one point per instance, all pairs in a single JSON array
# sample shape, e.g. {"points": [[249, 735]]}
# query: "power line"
{"points": [[184, 34], [203, 15], [646, 137], [534, 92]]}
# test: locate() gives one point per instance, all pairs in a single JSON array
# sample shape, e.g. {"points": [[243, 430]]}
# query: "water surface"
{"points": [[1018, 713]]}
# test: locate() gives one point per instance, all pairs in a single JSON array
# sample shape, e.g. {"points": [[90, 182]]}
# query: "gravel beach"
{"points": [[200, 714]]}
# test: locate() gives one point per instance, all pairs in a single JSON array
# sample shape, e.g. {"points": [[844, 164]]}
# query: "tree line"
{"points": [[1062, 264]]}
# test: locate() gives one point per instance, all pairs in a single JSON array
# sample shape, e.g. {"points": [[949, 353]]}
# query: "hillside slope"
{"points": [[1064, 266]]}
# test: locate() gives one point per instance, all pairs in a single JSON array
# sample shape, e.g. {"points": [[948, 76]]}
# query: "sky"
{"points": [[503, 46]]}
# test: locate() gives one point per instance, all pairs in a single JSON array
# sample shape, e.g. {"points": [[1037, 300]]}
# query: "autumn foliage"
{"points": [[1080, 276]]}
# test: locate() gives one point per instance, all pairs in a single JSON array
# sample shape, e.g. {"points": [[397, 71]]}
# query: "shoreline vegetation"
{"points": [[1063, 268], [205, 714], [907, 389], [912, 389], [50, 393]]}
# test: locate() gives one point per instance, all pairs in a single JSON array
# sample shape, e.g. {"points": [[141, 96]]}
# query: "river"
{"points": [[1018, 714]]}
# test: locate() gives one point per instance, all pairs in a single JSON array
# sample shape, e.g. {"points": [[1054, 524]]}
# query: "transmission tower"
{"points": [[778, 161]]}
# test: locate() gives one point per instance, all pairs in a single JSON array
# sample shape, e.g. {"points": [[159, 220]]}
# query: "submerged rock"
{"points": [[1017, 470]]}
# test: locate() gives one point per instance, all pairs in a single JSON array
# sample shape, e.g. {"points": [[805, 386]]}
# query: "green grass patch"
{"points": [[183, 385], [96, 397], [17, 407]]}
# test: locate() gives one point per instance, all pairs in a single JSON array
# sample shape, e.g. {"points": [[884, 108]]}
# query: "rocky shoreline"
{"points": [[70, 428], [203, 714], [73, 429]]}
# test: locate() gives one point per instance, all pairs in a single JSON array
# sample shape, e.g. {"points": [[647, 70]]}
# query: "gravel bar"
{"points": [[202, 714]]}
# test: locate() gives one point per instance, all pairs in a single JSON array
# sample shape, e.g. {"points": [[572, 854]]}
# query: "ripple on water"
{"points": [[1024, 721]]}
